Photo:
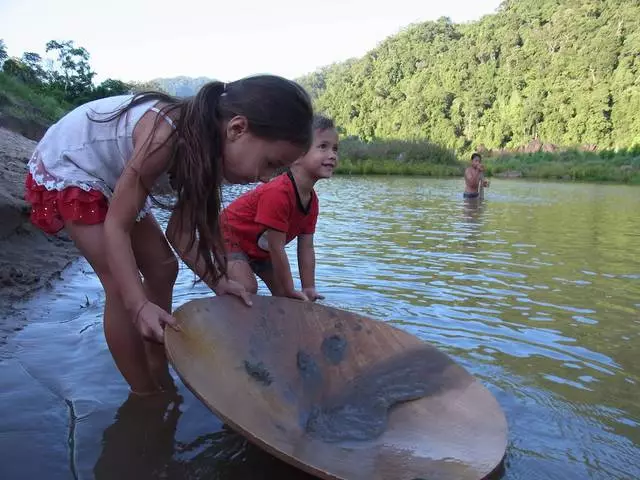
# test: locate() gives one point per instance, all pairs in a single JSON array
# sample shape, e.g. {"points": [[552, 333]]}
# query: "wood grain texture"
{"points": [[264, 370]]}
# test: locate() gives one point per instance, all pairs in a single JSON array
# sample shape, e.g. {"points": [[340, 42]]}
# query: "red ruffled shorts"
{"points": [[51, 208]]}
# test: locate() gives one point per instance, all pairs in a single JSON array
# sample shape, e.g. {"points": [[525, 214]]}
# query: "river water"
{"points": [[535, 291]]}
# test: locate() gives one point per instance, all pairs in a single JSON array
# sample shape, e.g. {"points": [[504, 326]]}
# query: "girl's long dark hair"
{"points": [[276, 109]]}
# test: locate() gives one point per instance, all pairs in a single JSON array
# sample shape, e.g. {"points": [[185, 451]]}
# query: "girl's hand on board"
{"points": [[227, 286], [151, 320]]}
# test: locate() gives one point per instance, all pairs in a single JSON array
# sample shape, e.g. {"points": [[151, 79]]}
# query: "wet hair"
{"points": [[275, 108], [322, 122], [476, 155]]}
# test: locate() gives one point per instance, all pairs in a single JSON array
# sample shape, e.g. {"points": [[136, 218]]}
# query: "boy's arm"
{"points": [[179, 240], [280, 263], [485, 182], [307, 266]]}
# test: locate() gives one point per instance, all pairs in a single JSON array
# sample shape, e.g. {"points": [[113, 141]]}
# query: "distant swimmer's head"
{"points": [[476, 160]]}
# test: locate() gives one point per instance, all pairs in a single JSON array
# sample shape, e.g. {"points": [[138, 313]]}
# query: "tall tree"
{"points": [[70, 72], [3, 52]]}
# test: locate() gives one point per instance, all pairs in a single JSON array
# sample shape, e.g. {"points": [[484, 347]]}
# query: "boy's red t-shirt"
{"points": [[275, 205]]}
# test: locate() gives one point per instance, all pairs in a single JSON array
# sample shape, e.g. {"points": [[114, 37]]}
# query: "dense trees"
{"points": [[565, 72]]}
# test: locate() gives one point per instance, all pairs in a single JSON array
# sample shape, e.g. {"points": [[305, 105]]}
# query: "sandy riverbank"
{"points": [[29, 259]]}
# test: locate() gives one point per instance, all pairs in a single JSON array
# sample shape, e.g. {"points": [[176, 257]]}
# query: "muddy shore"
{"points": [[29, 259]]}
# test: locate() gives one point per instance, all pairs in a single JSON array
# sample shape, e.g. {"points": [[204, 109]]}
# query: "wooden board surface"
{"points": [[310, 384]]}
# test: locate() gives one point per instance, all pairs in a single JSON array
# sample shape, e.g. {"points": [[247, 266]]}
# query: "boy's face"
{"points": [[322, 158], [475, 163]]}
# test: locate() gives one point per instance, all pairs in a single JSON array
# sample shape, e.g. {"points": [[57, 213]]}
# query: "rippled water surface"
{"points": [[536, 292]]}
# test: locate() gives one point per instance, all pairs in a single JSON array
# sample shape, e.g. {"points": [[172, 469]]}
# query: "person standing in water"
{"points": [[474, 181], [92, 174], [259, 224]]}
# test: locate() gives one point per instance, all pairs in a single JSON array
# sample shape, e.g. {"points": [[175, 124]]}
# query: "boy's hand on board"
{"points": [[312, 294], [297, 295]]}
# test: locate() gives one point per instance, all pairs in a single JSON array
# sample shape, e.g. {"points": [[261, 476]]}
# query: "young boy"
{"points": [[474, 178], [259, 224]]}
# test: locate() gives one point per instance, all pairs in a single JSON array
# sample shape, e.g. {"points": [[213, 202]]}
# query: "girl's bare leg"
{"points": [[123, 339], [159, 268]]}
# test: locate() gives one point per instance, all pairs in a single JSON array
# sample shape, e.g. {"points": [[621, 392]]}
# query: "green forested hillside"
{"points": [[566, 72]]}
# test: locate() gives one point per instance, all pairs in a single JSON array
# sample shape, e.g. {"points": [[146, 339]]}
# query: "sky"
{"points": [[141, 39]]}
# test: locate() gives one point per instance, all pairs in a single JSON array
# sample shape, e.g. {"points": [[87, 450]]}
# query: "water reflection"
{"points": [[141, 441], [141, 444], [471, 226], [534, 290]]}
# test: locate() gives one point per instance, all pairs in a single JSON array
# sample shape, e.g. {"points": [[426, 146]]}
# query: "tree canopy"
{"points": [[566, 72]]}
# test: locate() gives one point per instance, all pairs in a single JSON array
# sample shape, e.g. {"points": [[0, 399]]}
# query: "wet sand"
{"points": [[29, 259]]}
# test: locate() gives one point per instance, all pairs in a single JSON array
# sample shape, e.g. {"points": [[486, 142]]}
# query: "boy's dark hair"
{"points": [[276, 109], [476, 155], [322, 122]]}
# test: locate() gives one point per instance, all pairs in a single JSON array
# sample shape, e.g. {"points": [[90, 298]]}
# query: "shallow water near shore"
{"points": [[536, 291]]}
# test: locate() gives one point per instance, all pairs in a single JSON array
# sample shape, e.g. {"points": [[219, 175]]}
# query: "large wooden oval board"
{"points": [[311, 384]]}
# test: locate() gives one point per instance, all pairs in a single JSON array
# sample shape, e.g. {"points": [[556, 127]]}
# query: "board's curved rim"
{"points": [[290, 459]]}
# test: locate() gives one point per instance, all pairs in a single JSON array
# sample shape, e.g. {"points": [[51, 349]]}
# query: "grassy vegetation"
{"points": [[426, 159], [622, 166], [396, 157], [22, 101], [392, 167]]}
